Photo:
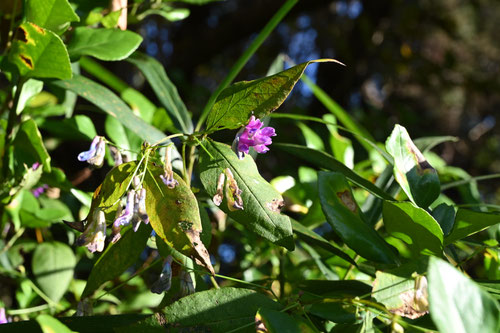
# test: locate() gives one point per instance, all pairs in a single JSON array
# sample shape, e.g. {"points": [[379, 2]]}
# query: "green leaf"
{"points": [[39, 53], [445, 215], [387, 289], [49, 324], [112, 105], [457, 304], [54, 15], [218, 310], [175, 216], [238, 102], [326, 161], [167, 12], [164, 89], [257, 193], [29, 147], [333, 311], [53, 266], [78, 127], [339, 288], [414, 226], [427, 143], [103, 44], [468, 222], [313, 140], [312, 237], [344, 215], [117, 258], [416, 176], [29, 89], [341, 146], [111, 20], [277, 322]]}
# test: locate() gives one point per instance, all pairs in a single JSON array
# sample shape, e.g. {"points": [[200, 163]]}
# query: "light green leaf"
{"points": [[53, 265], [54, 15], [344, 215], [425, 144], [29, 89], [103, 44], [111, 20], [457, 304], [341, 146], [326, 161], [414, 226], [218, 310], [257, 194], [117, 258], [49, 324], [29, 146], [313, 140], [277, 322], [468, 222], [39, 53], [167, 12], [416, 176], [237, 103], [164, 89], [175, 216], [388, 288]]}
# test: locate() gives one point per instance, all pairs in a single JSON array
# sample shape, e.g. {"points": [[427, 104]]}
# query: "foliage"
{"points": [[366, 242]]}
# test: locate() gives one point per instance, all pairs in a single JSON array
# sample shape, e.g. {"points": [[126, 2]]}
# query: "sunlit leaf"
{"points": [[54, 15], [468, 222]]}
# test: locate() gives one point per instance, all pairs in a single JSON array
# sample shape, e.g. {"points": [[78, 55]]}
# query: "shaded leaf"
{"points": [[237, 103], [29, 147], [276, 321], [457, 304], [333, 311], [74, 128], [414, 226], [445, 215], [39, 53], [468, 222], [344, 215], [326, 161], [416, 176], [218, 310], [117, 258], [53, 265], [103, 44], [257, 193], [339, 288], [175, 216], [164, 89]]}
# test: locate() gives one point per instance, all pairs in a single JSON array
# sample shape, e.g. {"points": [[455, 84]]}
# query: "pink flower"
{"points": [[252, 135]]}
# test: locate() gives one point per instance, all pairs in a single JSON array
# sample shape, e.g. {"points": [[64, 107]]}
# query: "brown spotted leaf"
{"points": [[175, 216], [38, 52], [416, 176]]}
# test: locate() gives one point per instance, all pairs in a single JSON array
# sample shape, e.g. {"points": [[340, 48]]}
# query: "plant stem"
{"points": [[240, 63], [28, 310], [12, 240]]}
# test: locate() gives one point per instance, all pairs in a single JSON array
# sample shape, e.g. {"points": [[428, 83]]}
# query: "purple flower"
{"points": [[168, 173], [95, 155], [3, 317], [38, 191], [128, 213], [35, 166], [252, 135], [135, 212]]}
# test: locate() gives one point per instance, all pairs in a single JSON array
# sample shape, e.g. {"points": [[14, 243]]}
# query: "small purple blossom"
{"points": [[38, 191], [95, 234], [35, 166], [135, 212], [252, 135], [95, 155], [168, 174], [3, 317], [128, 213]]}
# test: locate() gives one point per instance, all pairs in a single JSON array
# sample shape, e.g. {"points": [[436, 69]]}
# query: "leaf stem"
{"points": [[37, 308], [168, 138], [12, 240], [240, 63]]}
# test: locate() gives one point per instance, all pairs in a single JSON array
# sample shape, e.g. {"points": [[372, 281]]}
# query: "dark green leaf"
{"points": [[78, 127], [445, 215], [339, 288], [416, 176], [276, 321], [164, 89], [39, 53], [344, 215], [333, 311], [468, 222], [218, 310], [316, 239], [112, 105], [103, 44], [54, 15], [117, 258], [174, 215], [414, 226], [237, 103], [258, 195], [53, 265], [326, 161], [457, 304]]}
